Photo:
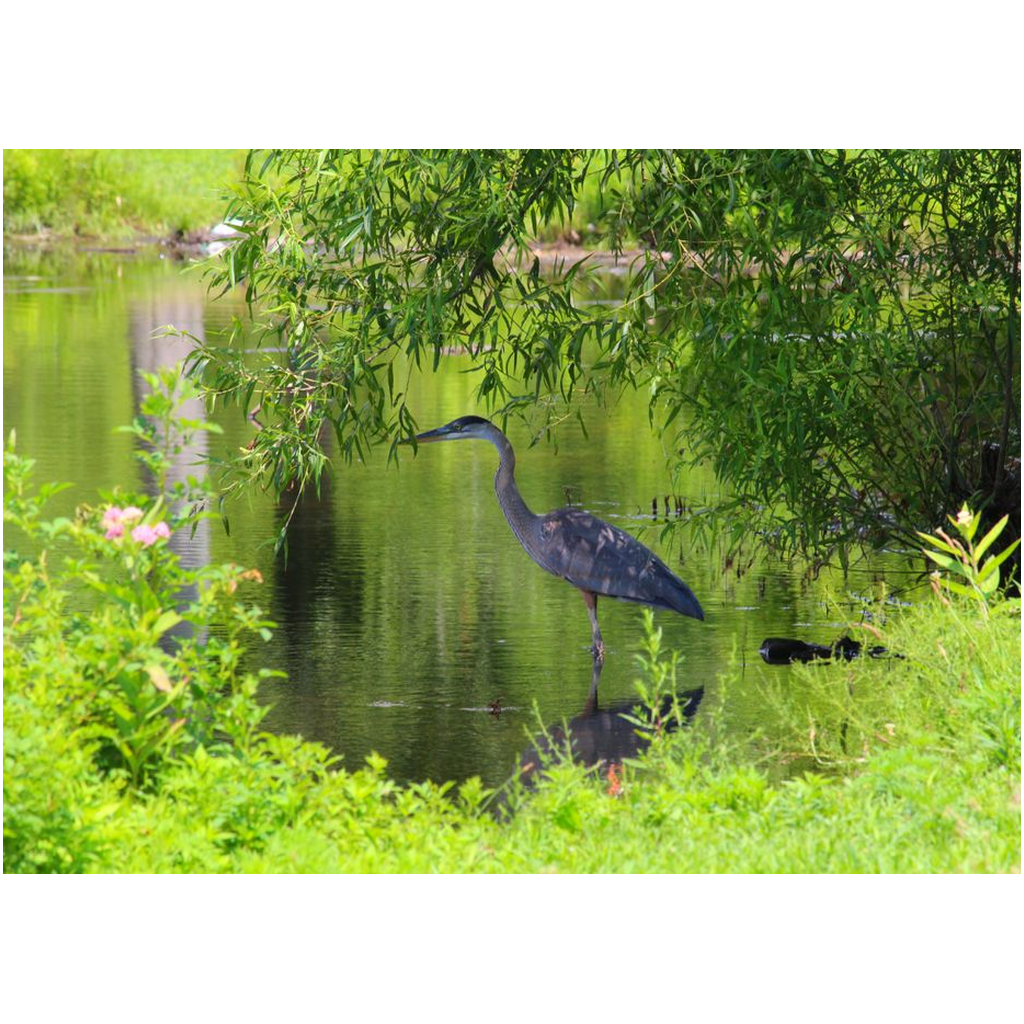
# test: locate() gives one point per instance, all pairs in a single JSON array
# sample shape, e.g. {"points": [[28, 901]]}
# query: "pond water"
{"points": [[409, 620]]}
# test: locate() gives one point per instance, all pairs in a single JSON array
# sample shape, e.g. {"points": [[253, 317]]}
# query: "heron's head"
{"points": [[462, 429]]}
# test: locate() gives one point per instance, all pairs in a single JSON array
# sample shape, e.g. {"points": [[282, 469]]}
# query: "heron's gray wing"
{"points": [[596, 556]]}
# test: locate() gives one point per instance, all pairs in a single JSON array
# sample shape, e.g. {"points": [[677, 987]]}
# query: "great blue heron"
{"points": [[598, 558]]}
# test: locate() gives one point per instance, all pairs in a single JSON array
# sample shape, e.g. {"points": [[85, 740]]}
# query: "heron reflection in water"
{"points": [[595, 557], [610, 735]]}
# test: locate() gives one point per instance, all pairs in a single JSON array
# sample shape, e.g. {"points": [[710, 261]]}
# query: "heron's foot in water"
{"points": [[597, 650]]}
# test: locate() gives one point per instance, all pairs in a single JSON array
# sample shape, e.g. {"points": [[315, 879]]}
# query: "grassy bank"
{"points": [[119, 756], [935, 795], [121, 193], [117, 193]]}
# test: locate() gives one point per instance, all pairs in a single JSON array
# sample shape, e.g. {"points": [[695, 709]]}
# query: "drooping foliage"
{"points": [[840, 329]]}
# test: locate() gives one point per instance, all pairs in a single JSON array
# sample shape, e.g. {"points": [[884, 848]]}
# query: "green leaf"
{"points": [[959, 588], [159, 678], [995, 561], [941, 544], [167, 621], [989, 584], [986, 541]]}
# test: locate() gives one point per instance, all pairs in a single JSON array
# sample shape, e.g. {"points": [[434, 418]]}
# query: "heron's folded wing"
{"points": [[596, 556]]}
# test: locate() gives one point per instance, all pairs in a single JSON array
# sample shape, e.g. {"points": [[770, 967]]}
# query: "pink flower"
{"points": [[144, 535], [147, 535], [114, 515], [115, 519]]}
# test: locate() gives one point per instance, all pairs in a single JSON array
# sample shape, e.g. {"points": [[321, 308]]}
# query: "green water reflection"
{"points": [[406, 608]]}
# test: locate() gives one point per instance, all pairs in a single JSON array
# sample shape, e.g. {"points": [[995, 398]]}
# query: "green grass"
{"points": [[932, 784], [116, 193]]}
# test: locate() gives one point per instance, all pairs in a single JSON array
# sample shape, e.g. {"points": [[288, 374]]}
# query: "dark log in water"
{"points": [[776, 650]]}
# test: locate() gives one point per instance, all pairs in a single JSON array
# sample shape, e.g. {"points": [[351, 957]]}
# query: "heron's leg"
{"points": [[597, 648], [591, 707]]}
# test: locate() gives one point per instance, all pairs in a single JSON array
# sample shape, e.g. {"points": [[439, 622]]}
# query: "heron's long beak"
{"points": [[440, 434]]}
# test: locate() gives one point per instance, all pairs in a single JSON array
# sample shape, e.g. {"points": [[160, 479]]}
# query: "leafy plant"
{"points": [[164, 435], [90, 607], [965, 559], [657, 684]]}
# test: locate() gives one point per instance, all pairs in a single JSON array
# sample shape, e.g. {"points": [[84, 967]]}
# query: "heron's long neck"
{"points": [[520, 518]]}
